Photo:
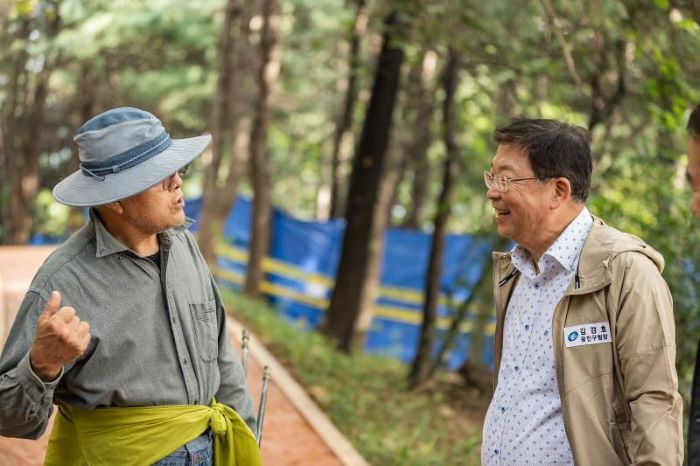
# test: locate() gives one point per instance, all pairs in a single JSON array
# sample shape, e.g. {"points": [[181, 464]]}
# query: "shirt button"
{"points": [[496, 451], [174, 320], [537, 285], [184, 361], [517, 368]]}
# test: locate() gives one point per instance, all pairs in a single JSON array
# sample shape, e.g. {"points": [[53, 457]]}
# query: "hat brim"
{"points": [[80, 190]]}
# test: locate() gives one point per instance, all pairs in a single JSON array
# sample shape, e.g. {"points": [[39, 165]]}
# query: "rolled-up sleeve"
{"points": [[26, 401]]}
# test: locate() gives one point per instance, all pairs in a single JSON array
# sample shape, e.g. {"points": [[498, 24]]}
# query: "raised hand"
{"points": [[60, 338]]}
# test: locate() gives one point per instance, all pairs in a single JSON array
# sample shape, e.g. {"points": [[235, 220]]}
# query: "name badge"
{"points": [[587, 334]]}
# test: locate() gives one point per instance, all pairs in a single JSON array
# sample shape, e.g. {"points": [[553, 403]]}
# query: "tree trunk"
{"points": [[460, 314], [323, 194], [229, 152], [603, 106], [391, 178], [418, 102], [344, 307], [421, 101], [421, 363], [540, 92], [259, 165], [507, 103], [16, 232], [220, 109], [343, 128], [480, 305], [25, 178], [484, 307], [85, 106]]}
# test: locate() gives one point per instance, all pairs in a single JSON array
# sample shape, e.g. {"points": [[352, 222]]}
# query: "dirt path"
{"points": [[288, 439]]}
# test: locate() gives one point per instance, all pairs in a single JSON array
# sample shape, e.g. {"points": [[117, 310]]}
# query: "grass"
{"points": [[366, 396]]}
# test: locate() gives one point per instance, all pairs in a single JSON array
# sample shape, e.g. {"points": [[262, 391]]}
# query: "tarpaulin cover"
{"points": [[301, 269]]}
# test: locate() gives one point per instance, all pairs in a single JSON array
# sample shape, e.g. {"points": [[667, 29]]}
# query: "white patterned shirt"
{"points": [[524, 422]]}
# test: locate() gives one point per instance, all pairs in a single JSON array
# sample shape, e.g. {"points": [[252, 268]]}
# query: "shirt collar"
{"points": [[106, 244], [565, 250]]}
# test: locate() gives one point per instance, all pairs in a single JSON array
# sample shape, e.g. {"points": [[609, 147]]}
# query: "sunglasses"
{"points": [[169, 183]]}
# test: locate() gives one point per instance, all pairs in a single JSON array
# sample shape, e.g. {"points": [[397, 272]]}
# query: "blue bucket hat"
{"points": [[123, 152]]}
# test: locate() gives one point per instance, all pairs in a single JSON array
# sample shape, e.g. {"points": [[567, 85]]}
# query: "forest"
{"points": [[378, 112]]}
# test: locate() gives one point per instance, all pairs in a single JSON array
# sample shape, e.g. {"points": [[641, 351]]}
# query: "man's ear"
{"points": [[115, 207], [562, 192]]}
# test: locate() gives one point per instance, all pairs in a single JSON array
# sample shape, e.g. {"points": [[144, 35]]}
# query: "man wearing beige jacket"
{"points": [[584, 358]]}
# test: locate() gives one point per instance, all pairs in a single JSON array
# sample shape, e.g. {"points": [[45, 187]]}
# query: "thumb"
{"points": [[53, 304]]}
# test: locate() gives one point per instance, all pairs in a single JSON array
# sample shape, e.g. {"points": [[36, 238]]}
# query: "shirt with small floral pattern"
{"points": [[524, 423]]}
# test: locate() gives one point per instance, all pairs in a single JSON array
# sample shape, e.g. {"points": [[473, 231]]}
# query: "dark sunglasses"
{"points": [[169, 182]]}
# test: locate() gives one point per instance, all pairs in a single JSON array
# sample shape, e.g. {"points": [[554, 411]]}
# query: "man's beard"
{"points": [[148, 226]]}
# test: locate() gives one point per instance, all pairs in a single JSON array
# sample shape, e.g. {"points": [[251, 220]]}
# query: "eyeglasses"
{"points": [[501, 182], [169, 182]]}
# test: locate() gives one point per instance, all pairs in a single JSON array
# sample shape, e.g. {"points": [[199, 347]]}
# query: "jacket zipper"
{"points": [[507, 278]]}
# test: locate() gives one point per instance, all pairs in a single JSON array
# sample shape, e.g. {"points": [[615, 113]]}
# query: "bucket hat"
{"points": [[123, 152]]}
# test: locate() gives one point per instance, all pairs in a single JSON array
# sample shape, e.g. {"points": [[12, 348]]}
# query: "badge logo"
{"points": [[572, 336]]}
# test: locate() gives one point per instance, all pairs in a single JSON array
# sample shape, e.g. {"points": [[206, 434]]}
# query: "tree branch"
{"points": [[565, 49]]}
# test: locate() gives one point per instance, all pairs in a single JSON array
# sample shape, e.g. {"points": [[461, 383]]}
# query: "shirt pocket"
{"points": [[206, 330]]}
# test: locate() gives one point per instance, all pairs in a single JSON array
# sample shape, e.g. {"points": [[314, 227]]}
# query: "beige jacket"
{"points": [[620, 401]]}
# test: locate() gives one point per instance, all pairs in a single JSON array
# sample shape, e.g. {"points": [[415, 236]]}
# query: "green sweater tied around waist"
{"points": [[144, 435]]}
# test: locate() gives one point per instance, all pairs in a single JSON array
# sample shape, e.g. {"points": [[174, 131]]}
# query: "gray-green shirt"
{"points": [[158, 336]]}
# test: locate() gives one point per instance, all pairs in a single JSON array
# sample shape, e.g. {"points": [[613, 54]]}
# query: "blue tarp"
{"points": [[305, 257]]}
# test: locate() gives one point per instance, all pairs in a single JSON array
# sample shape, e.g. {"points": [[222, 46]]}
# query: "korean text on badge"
{"points": [[587, 334]]}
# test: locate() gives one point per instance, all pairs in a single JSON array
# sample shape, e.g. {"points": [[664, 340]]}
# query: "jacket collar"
{"points": [[602, 244], [106, 244], [565, 250]]}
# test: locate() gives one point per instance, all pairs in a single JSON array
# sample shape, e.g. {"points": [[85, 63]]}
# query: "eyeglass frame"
{"points": [[167, 183], [507, 180]]}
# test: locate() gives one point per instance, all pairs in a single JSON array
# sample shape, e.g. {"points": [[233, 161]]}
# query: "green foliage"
{"points": [[517, 58], [52, 216], [365, 396]]}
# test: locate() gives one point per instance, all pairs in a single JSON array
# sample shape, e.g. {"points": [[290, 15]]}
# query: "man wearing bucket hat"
{"points": [[125, 317]]}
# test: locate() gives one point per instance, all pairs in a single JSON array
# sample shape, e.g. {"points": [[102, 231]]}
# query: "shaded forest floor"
{"points": [[366, 396]]}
